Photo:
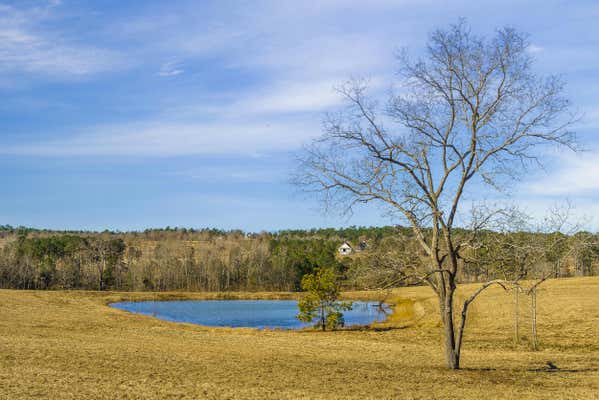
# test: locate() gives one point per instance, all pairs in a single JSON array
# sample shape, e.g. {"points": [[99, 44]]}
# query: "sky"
{"points": [[130, 115]]}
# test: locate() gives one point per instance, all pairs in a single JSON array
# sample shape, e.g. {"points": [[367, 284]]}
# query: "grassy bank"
{"points": [[70, 345]]}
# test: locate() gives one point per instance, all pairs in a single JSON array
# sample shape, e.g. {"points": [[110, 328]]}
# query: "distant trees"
{"points": [[106, 254], [321, 302], [63, 261], [173, 259], [206, 261]]}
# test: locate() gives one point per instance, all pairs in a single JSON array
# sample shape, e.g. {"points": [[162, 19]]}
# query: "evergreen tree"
{"points": [[321, 302]]}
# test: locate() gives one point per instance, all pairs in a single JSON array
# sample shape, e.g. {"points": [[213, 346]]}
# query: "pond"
{"points": [[245, 313]]}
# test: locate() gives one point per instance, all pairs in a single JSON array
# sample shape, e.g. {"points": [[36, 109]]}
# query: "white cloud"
{"points": [[288, 97], [223, 173], [342, 54], [275, 100], [25, 47], [248, 123], [171, 68], [579, 216], [170, 139], [535, 49], [286, 42], [590, 118], [576, 174]]}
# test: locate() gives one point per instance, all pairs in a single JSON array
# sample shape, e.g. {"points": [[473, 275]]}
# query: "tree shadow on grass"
{"points": [[550, 367], [366, 328], [543, 370], [558, 370], [482, 369], [353, 328]]}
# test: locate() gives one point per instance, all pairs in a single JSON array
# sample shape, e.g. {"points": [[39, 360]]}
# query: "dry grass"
{"points": [[70, 345]]}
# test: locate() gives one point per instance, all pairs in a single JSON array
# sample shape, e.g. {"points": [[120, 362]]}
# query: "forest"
{"points": [[215, 260]]}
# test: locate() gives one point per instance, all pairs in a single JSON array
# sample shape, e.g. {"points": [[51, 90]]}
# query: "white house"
{"points": [[345, 249]]}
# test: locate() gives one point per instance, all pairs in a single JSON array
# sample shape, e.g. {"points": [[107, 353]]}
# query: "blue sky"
{"points": [[128, 115]]}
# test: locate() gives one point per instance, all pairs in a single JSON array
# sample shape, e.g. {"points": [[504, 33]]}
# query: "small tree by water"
{"points": [[321, 303]]}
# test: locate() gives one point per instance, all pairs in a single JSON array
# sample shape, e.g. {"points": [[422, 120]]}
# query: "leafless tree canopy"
{"points": [[471, 110]]}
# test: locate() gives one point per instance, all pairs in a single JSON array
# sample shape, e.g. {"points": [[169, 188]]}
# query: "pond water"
{"points": [[245, 313]]}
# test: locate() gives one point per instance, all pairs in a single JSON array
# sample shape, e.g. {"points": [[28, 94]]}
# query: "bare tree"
{"points": [[532, 292], [547, 241], [524, 250], [471, 113], [516, 289]]}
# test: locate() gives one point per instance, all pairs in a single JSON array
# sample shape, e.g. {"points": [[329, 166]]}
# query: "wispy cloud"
{"points": [[533, 48], [574, 175], [171, 139], [280, 117], [26, 47], [171, 68], [235, 174], [269, 66], [293, 72], [289, 97], [590, 118], [285, 42]]}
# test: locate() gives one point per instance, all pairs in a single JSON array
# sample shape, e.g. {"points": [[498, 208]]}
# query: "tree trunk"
{"points": [[516, 318], [452, 355], [533, 306], [103, 268]]}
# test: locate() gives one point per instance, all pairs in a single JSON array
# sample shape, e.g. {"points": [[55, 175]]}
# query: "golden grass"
{"points": [[70, 345]]}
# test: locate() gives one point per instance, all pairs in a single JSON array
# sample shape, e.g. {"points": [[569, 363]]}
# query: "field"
{"points": [[70, 345]]}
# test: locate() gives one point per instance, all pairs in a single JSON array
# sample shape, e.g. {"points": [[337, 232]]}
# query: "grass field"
{"points": [[70, 345]]}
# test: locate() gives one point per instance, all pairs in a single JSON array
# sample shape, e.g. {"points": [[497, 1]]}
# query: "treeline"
{"points": [[216, 260], [168, 259]]}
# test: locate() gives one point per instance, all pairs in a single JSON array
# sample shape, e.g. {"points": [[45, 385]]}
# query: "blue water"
{"points": [[244, 313]]}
